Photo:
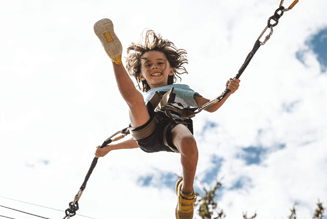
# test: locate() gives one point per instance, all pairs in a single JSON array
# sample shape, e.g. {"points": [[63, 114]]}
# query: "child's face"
{"points": [[155, 69]]}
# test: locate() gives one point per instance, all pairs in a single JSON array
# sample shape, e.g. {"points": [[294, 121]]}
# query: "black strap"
{"points": [[73, 206], [248, 58]]}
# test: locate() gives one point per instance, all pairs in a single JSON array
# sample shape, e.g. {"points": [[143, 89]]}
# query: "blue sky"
{"points": [[59, 100], [317, 44]]}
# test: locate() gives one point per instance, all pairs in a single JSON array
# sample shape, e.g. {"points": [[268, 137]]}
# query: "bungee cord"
{"points": [[73, 206], [272, 22]]}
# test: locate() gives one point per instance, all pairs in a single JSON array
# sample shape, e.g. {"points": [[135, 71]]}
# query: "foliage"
{"points": [[319, 213], [207, 206]]}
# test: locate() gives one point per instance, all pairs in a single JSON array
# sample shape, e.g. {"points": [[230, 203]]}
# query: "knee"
{"points": [[188, 146]]}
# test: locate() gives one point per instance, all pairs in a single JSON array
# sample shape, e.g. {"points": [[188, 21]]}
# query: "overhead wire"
{"points": [[24, 212], [29, 203], [6, 217]]}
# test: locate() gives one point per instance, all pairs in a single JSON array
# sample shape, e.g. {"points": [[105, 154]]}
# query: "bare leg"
{"points": [[134, 99], [186, 145], [104, 29]]}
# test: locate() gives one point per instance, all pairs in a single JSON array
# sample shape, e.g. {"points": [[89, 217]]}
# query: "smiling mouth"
{"points": [[156, 74]]}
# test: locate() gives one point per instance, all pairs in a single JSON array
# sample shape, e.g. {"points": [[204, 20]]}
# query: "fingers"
{"points": [[233, 84], [101, 152], [98, 152]]}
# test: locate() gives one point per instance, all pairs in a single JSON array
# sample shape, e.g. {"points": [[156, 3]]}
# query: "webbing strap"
{"points": [[157, 102], [163, 105], [144, 131], [248, 59], [155, 99], [160, 102], [73, 206]]}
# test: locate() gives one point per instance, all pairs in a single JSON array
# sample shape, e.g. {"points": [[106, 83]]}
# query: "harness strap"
{"points": [[183, 113], [160, 102], [164, 100], [168, 129], [155, 99], [145, 131]]}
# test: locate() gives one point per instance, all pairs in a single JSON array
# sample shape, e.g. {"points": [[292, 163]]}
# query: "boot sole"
{"points": [[104, 29]]}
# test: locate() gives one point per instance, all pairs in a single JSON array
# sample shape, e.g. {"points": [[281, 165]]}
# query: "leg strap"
{"points": [[159, 102], [145, 130], [148, 128]]}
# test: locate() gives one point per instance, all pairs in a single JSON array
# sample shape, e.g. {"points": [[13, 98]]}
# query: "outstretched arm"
{"points": [[232, 85], [128, 144]]}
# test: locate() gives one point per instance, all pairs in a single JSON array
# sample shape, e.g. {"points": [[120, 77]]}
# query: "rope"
{"points": [[24, 212]]}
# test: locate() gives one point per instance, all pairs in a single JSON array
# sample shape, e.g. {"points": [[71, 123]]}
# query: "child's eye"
{"points": [[160, 63]]}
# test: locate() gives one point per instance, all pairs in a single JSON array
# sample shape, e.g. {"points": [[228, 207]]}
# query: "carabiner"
{"points": [[267, 37], [123, 133]]}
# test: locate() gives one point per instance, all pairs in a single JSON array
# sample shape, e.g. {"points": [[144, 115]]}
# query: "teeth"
{"points": [[156, 74]]}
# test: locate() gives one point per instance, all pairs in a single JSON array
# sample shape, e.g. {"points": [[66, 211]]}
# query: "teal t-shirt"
{"points": [[183, 95]]}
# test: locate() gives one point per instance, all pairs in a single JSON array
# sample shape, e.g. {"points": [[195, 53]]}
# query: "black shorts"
{"points": [[161, 134]]}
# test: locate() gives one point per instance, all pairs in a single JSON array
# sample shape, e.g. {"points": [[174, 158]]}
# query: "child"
{"points": [[155, 64]]}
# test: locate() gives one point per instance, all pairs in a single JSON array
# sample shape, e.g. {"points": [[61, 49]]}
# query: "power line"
{"points": [[31, 204], [24, 212], [6, 217], [41, 206]]}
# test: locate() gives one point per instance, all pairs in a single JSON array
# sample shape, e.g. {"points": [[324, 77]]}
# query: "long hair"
{"points": [[153, 42]]}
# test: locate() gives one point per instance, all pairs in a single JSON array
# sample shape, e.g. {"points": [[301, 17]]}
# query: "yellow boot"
{"points": [[185, 205], [104, 29]]}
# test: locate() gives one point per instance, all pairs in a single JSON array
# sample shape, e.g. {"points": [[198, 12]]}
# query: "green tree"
{"points": [[207, 206]]}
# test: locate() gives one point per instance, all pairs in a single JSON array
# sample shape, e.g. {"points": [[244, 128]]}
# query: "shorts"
{"points": [[160, 139]]}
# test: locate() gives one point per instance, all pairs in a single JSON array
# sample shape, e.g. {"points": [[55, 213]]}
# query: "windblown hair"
{"points": [[153, 42]]}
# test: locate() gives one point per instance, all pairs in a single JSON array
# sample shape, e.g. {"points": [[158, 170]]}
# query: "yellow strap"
{"points": [[117, 60], [293, 4]]}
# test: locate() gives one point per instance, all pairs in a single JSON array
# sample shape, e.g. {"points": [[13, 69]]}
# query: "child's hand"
{"points": [[232, 84], [101, 152]]}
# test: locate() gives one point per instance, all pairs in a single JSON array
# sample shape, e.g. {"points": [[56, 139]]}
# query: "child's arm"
{"points": [[128, 144], [232, 85]]}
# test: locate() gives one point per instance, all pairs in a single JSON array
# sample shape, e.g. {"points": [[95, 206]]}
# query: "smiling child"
{"points": [[156, 64]]}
